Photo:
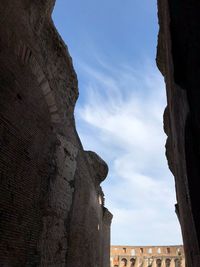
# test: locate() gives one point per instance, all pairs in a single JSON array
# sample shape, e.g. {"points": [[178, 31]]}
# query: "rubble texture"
{"points": [[51, 204], [179, 60]]}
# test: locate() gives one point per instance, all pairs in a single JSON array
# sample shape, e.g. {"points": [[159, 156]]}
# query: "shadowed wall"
{"points": [[51, 204], [179, 60]]}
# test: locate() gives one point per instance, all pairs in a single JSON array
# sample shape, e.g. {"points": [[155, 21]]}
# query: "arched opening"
{"points": [[124, 262], [158, 263], [177, 262], [178, 252], [132, 252], [132, 261], [159, 250], [167, 262], [103, 114], [108, 109]]}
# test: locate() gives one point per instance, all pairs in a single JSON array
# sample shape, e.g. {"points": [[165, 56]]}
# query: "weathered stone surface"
{"points": [[147, 256], [98, 166], [178, 59], [51, 202]]}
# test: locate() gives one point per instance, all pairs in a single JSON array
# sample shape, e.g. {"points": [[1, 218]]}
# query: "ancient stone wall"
{"points": [[178, 60], [51, 203], [147, 256]]}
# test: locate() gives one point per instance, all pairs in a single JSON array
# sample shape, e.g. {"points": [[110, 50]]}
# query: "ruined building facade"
{"points": [[179, 61], [51, 204], [148, 256]]}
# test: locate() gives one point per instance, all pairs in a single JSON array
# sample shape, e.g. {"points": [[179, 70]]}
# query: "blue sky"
{"points": [[119, 112]]}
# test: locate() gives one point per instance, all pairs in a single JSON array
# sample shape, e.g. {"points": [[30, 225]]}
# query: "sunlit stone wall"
{"points": [[148, 256]]}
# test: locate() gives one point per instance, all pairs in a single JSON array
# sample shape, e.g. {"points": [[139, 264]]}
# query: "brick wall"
{"points": [[50, 213]]}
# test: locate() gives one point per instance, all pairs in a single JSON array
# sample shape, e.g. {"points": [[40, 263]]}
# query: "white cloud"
{"points": [[121, 119]]}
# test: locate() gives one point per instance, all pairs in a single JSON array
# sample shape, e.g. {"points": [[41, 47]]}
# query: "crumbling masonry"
{"points": [[51, 204], [179, 61]]}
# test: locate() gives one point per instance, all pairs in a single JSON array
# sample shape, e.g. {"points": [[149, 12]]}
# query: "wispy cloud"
{"points": [[121, 119]]}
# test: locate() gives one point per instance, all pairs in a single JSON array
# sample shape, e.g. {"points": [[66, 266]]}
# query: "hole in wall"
{"points": [[19, 97], [119, 113]]}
